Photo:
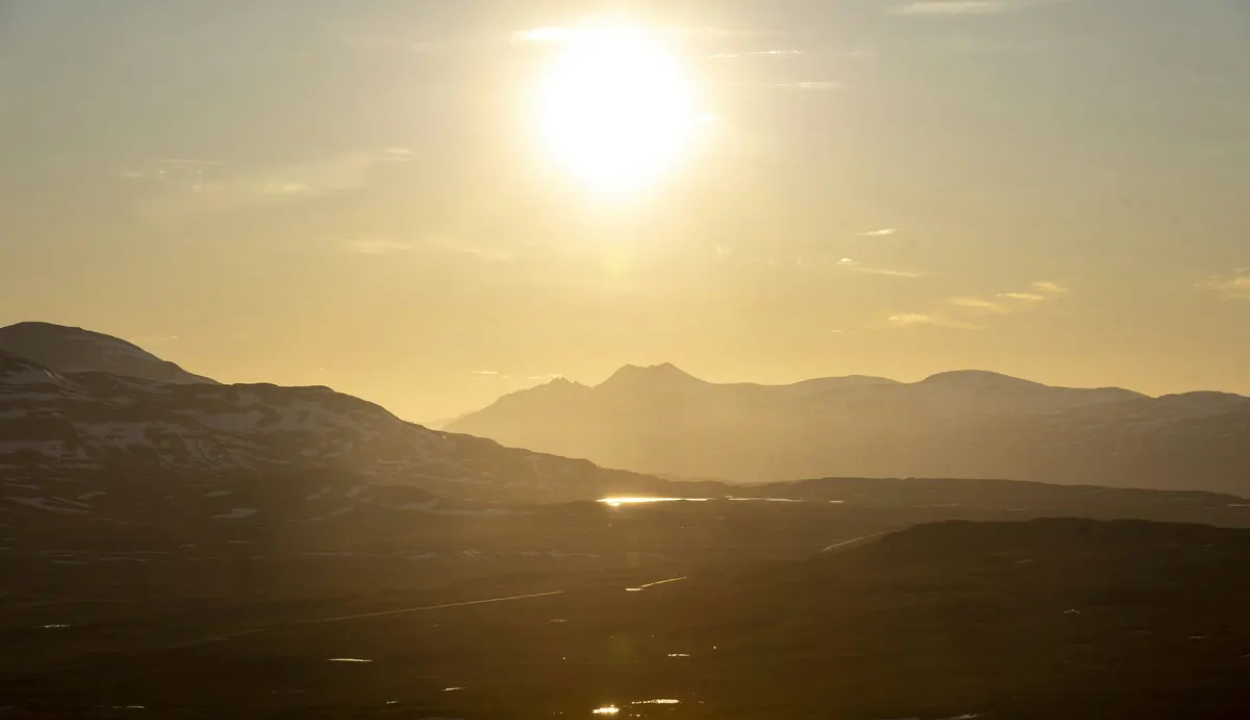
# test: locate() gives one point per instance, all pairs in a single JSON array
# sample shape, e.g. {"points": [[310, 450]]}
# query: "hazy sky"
{"points": [[351, 193]]}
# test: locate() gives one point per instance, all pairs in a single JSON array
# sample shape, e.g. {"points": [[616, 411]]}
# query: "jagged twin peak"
{"points": [[75, 350]]}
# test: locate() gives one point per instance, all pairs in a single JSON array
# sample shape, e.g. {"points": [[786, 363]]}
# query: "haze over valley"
{"points": [[557, 359]]}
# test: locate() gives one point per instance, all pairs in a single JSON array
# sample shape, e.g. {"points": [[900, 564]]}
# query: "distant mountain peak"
{"points": [[666, 373], [978, 378]]}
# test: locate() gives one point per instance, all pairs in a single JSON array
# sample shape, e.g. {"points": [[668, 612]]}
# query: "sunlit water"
{"points": [[621, 501], [614, 710]]}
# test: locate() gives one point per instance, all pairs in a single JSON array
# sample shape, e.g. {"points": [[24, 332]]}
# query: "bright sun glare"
{"points": [[616, 106]]}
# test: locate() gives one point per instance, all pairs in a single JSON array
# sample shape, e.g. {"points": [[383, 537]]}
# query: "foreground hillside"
{"points": [[1054, 618], [957, 424], [63, 436]]}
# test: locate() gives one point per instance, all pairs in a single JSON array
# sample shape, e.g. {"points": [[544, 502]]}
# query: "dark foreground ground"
{"points": [[1042, 619]]}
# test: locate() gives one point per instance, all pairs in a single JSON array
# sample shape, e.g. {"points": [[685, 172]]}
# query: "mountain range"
{"points": [[114, 441], [972, 424], [319, 557], [126, 440]]}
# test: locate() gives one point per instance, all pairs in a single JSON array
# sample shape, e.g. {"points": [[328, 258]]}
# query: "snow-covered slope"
{"points": [[72, 444], [964, 423], [74, 350]]}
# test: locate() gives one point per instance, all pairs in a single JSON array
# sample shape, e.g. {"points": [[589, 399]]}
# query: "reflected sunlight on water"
{"points": [[619, 501], [607, 710]]}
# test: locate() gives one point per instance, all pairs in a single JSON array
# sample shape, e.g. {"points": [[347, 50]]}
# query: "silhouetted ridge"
{"points": [[980, 379], [75, 350], [663, 374], [965, 423]]}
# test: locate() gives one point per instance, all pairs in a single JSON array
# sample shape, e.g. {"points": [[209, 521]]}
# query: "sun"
{"points": [[616, 107]]}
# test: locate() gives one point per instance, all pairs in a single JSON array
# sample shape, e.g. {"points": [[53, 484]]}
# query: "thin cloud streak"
{"points": [[953, 312], [878, 233], [559, 35], [757, 53], [854, 266], [910, 320], [379, 247], [888, 272], [811, 85], [951, 7], [176, 189], [384, 246], [1233, 287], [965, 8], [464, 247], [1049, 288], [980, 305]]}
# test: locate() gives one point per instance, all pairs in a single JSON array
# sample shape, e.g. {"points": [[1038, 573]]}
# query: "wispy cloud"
{"points": [[1022, 296], [488, 373], [811, 85], [555, 34], [980, 305], [889, 272], [172, 170], [454, 246], [935, 319], [878, 233], [378, 247], [1233, 287], [758, 53], [459, 246], [854, 266], [958, 8], [176, 188], [1048, 287], [951, 7], [956, 312]]}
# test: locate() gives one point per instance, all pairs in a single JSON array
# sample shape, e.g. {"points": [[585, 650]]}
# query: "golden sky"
{"points": [[431, 203]]}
